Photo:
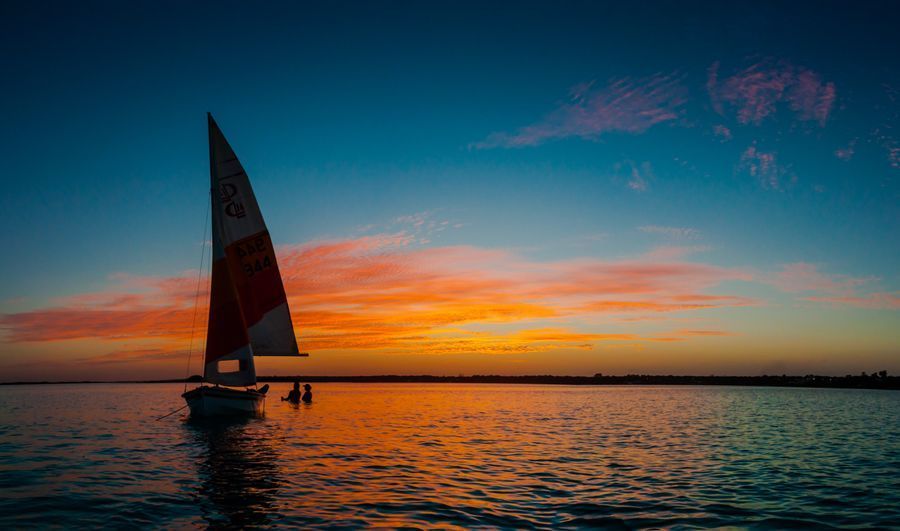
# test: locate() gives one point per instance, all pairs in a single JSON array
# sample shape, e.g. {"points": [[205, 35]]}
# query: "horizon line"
{"points": [[808, 380]]}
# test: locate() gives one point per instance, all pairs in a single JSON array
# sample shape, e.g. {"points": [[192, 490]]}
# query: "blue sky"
{"points": [[491, 117]]}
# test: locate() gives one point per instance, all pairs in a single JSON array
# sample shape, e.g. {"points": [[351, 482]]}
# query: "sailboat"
{"points": [[248, 308]]}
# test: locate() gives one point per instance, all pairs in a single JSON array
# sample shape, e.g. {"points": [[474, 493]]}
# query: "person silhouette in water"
{"points": [[294, 396], [307, 395]]}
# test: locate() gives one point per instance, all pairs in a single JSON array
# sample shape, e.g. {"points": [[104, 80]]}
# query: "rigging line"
{"points": [[208, 290], [172, 413], [187, 372]]}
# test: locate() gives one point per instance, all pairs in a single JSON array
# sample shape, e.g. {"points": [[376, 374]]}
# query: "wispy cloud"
{"points": [[625, 105], [756, 92], [816, 286], [893, 153], [722, 132], [139, 355], [378, 293], [637, 176], [422, 227], [885, 134], [765, 168], [637, 182], [416, 220], [685, 233], [846, 153], [874, 301], [801, 276], [890, 144]]}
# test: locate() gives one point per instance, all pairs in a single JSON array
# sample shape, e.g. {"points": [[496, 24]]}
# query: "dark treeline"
{"points": [[877, 380]]}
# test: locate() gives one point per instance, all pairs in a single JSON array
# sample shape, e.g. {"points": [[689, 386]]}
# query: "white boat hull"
{"points": [[221, 401]]}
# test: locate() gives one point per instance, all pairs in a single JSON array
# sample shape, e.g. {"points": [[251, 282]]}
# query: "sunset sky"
{"points": [[460, 187]]}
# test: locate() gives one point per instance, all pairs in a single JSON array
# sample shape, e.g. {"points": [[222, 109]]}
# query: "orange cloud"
{"points": [[380, 293]]}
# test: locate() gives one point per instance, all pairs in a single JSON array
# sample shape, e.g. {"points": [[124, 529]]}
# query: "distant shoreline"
{"points": [[862, 381]]}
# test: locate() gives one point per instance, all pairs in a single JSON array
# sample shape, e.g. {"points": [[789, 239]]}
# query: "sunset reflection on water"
{"points": [[454, 455]]}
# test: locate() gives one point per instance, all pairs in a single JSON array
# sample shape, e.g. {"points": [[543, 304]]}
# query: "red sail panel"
{"points": [[229, 360], [258, 282], [226, 332], [261, 294]]}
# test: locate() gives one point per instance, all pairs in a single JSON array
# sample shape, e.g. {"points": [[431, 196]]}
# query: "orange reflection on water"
{"points": [[409, 453], [451, 455]]}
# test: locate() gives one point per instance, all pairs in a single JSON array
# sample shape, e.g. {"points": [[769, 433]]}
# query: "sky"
{"points": [[459, 187]]}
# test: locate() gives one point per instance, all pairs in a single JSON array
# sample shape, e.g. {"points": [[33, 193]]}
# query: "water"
{"points": [[454, 455]]}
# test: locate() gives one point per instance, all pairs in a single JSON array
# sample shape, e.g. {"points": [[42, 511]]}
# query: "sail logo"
{"points": [[232, 208]]}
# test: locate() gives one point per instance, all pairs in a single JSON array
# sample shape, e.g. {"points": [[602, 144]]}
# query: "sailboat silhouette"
{"points": [[248, 308]]}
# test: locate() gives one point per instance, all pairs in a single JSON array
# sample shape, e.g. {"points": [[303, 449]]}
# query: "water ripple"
{"points": [[455, 456]]}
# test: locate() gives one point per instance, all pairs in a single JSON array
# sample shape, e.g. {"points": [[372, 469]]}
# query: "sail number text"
{"points": [[254, 256]]}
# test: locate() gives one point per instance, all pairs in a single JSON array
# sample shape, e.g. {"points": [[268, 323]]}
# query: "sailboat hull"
{"points": [[208, 401]]}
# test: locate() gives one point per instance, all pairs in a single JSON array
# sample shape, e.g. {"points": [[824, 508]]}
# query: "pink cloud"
{"points": [[722, 132], [756, 92], [891, 145], [831, 288], [801, 276], [893, 154], [624, 105], [846, 153], [765, 168], [885, 134]]}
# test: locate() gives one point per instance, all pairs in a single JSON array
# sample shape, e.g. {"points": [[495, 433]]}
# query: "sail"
{"points": [[248, 313]]}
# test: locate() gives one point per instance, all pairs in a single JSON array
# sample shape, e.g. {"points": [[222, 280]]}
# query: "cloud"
{"points": [[764, 166], [755, 93], [665, 305], [626, 105], [833, 289], [893, 154], [671, 232], [416, 220], [722, 132], [846, 153], [885, 133], [801, 276], [139, 355], [637, 182], [890, 145], [379, 293], [875, 301], [637, 176], [422, 227]]}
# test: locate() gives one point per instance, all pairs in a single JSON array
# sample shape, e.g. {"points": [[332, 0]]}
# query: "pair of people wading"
{"points": [[294, 396]]}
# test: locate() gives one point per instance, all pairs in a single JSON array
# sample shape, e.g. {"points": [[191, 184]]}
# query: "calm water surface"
{"points": [[454, 456]]}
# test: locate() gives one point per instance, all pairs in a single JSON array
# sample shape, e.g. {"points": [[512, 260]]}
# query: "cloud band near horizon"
{"points": [[381, 293]]}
